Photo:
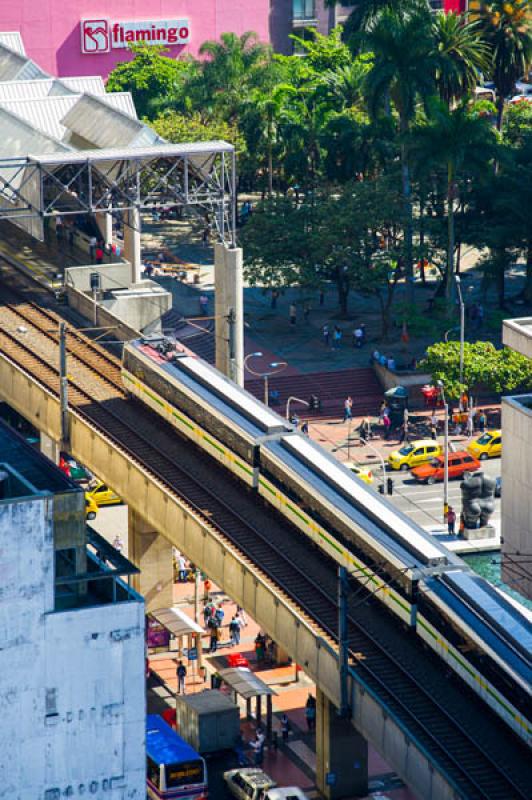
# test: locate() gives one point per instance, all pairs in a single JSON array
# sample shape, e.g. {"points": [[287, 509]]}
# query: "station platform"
{"points": [[291, 763]]}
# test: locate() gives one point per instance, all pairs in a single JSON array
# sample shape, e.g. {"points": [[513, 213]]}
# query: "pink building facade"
{"points": [[89, 37]]}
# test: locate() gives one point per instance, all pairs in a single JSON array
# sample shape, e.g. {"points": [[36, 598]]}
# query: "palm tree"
{"points": [[347, 83], [266, 106], [367, 12], [460, 53], [232, 64], [403, 72], [508, 31], [452, 139]]}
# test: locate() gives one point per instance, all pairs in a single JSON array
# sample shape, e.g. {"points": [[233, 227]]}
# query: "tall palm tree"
{"points": [[233, 62], [346, 84], [460, 53], [403, 72], [455, 140], [367, 12], [508, 31]]}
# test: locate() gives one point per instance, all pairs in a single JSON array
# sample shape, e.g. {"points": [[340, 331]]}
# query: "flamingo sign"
{"points": [[101, 35]]}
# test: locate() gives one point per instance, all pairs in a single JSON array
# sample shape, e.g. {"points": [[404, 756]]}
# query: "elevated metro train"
{"points": [[472, 626]]}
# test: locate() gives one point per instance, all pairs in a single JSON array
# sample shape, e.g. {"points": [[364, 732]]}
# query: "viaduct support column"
{"points": [[229, 311], [152, 554], [132, 242], [49, 448], [104, 220], [341, 753]]}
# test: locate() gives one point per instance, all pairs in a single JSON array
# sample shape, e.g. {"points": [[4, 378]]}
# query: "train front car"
{"points": [[220, 417], [349, 521], [486, 638]]}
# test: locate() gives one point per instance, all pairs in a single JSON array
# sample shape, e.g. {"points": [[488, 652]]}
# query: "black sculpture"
{"points": [[478, 491]]}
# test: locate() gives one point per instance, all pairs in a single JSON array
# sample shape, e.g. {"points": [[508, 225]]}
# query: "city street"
{"points": [[424, 504]]}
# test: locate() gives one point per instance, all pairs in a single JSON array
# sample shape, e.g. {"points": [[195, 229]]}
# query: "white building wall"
{"points": [[86, 738], [516, 501]]}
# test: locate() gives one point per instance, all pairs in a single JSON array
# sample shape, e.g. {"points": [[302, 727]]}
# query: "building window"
{"points": [[303, 9], [51, 702], [436, 5]]}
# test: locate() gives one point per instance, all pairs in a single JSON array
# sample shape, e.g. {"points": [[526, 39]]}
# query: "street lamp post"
{"points": [[295, 400], [462, 326], [446, 453], [275, 368], [383, 465]]}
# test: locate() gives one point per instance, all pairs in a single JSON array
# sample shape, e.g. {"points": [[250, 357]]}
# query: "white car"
{"points": [[249, 783], [285, 793]]}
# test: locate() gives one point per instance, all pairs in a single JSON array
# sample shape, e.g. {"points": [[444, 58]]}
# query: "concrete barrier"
{"points": [[112, 276], [99, 316]]}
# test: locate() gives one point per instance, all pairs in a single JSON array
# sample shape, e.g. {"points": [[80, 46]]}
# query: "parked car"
{"points": [[102, 495], [285, 793], [410, 455], [75, 471], [248, 783], [91, 509], [364, 474], [459, 463], [489, 445]]}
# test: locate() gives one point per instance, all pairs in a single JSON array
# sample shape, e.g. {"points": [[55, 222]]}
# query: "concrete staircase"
{"points": [[331, 387]]}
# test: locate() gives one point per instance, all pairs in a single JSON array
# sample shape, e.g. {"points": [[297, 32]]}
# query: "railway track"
{"points": [[463, 737]]}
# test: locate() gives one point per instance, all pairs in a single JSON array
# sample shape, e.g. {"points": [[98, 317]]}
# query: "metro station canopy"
{"points": [[69, 147]]}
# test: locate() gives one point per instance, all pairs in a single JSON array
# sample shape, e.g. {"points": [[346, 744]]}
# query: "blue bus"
{"points": [[174, 769]]}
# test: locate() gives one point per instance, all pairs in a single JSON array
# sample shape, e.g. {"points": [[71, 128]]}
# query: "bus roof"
{"points": [[163, 744]]}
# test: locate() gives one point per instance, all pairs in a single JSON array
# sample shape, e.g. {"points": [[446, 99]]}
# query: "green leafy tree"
{"points": [[501, 371], [402, 71], [149, 77], [232, 67], [454, 140], [460, 52], [192, 127], [508, 31]]}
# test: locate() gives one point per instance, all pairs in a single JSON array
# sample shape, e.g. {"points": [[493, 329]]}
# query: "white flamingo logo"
{"points": [[95, 36]]}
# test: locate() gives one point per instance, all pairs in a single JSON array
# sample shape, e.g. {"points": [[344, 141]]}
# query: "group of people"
{"points": [[213, 616], [333, 338], [383, 360]]}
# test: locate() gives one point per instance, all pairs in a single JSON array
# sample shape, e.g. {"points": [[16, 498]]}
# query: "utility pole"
{"points": [[446, 452], [63, 388], [343, 711], [231, 321], [462, 326]]}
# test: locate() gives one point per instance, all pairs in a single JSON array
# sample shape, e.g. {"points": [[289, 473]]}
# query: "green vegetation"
{"points": [[371, 153], [484, 366]]}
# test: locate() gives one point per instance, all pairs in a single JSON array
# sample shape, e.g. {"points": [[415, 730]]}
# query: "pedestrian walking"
{"points": [[292, 313], [348, 407], [358, 336], [207, 613], [482, 421], [182, 568], [206, 590], [258, 746], [232, 627], [326, 335], [237, 628], [386, 421], [219, 614], [337, 337], [406, 415], [99, 254], [181, 673], [285, 727], [260, 647], [433, 432], [214, 638], [310, 713], [364, 431], [403, 432], [451, 520], [242, 615]]}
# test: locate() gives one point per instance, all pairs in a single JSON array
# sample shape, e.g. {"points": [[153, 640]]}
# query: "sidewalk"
{"points": [[290, 763]]}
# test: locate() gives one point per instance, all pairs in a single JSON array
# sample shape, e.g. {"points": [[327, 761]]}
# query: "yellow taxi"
{"points": [[91, 509], [365, 475], [102, 495], [414, 453], [488, 445]]}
